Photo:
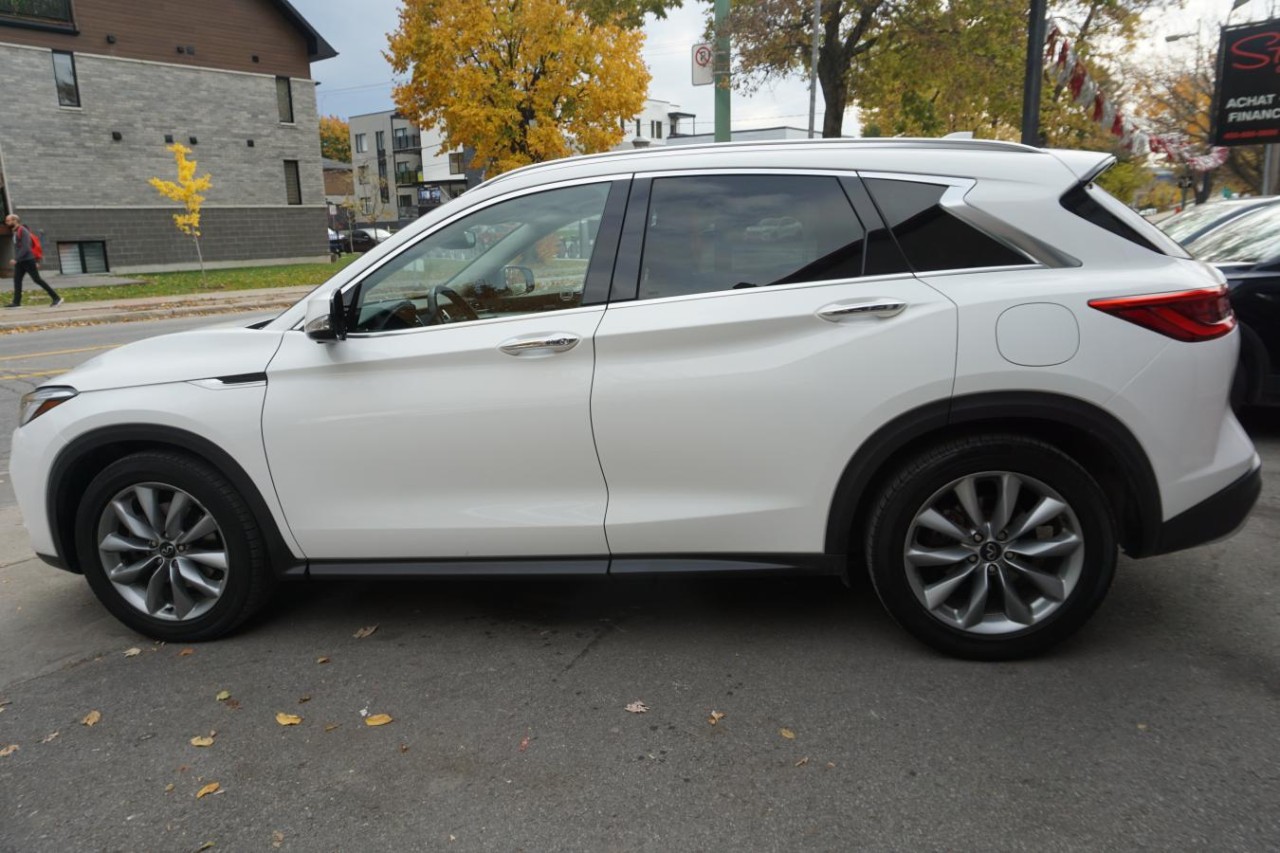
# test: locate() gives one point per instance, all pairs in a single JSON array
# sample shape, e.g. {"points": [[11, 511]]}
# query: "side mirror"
{"points": [[326, 318], [518, 279]]}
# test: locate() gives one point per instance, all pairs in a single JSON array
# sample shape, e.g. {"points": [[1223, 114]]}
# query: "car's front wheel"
{"points": [[171, 548], [991, 547]]}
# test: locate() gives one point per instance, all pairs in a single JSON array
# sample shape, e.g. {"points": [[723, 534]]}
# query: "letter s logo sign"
{"points": [[1256, 51]]}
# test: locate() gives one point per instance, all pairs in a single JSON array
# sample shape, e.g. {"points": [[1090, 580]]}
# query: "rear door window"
{"points": [[708, 233]]}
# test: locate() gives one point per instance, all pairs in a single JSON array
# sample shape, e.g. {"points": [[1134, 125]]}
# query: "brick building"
{"points": [[94, 90]]}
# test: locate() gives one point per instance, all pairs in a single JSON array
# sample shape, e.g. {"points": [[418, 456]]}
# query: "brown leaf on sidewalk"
{"points": [[201, 741], [322, 659], [302, 699], [211, 788], [133, 652], [287, 719], [716, 716], [92, 718], [787, 733], [364, 632], [186, 652], [50, 738], [637, 707], [9, 750], [802, 762], [377, 719], [233, 704], [524, 743], [331, 726], [277, 838]]}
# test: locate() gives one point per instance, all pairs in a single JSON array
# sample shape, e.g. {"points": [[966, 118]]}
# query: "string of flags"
{"points": [[1065, 65]]}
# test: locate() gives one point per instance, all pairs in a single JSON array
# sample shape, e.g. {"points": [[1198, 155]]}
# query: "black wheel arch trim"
{"points": [[1140, 526], [61, 491]]}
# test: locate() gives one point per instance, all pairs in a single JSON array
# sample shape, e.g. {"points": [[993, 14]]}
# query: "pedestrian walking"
{"points": [[25, 261]]}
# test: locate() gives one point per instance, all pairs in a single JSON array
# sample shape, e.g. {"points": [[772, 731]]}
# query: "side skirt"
{"points": [[638, 565]]}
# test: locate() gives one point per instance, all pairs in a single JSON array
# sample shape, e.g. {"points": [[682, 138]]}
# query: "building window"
{"points": [[366, 205], [382, 140], [455, 163], [292, 184], [362, 143], [637, 127], [51, 14], [284, 99], [655, 129], [86, 257], [64, 77]]}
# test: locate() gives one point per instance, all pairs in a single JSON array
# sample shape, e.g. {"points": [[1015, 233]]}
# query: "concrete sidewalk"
{"points": [[40, 315]]}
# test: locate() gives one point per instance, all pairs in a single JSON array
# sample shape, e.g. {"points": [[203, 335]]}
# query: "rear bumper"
{"points": [[1214, 518]]}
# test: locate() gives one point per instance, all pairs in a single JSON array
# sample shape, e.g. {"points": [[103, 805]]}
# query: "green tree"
{"points": [[519, 81]]}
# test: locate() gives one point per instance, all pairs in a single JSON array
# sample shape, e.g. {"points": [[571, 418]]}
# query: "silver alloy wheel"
{"points": [[163, 551], [994, 552]]}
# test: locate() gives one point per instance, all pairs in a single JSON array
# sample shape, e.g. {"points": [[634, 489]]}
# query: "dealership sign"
{"points": [[1248, 96]]}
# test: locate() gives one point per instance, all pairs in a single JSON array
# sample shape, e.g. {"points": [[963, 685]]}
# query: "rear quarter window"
{"points": [[1094, 204]]}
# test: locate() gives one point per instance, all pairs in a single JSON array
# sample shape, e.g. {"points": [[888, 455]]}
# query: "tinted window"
{"points": [[1092, 202], [292, 185], [720, 232], [284, 99], [930, 237]]}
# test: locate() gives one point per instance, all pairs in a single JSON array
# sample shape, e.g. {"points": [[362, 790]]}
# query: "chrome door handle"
{"points": [[879, 308], [540, 344]]}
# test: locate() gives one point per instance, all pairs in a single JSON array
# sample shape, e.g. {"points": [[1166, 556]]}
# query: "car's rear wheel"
{"points": [[991, 547], [171, 548]]}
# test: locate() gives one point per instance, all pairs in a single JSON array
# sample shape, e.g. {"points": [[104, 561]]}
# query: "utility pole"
{"points": [[1035, 73], [813, 64], [721, 66]]}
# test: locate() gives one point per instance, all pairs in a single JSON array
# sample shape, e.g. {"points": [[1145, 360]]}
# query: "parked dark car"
{"points": [[363, 239], [336, 246], [1247, 250]]}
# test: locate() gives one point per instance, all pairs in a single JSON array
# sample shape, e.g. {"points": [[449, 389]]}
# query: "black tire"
{"points": [[917, 484], [248, 580]]}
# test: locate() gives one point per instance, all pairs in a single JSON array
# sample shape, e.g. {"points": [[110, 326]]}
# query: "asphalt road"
{"points": [[1155, 728]]}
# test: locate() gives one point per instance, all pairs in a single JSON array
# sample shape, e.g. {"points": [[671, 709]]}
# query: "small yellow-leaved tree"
{"points": [[187, 192]]}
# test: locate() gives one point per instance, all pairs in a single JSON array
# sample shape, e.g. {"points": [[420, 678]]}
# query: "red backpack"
{"points": [[36, 248]]}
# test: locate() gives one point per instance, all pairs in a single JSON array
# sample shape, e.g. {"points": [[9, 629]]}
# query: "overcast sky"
{"points": [[359, 80]]}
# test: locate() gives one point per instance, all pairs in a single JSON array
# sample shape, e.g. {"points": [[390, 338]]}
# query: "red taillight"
{"points": [[1188, 315]]}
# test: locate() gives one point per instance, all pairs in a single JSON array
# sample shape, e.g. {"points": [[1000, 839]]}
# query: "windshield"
{"points": [[1190, 221], [1250, 238]]}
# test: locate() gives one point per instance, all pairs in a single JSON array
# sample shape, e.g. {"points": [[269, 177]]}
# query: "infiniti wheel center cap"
{"points": [[991, 551], [167, 550]]}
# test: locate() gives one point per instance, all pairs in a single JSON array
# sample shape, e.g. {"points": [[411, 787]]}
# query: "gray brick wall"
{"points": [[66, 175], [146, 237]]}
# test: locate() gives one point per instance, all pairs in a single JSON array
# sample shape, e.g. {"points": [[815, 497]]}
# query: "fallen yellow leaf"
{"points": [[201, 741], [331, 727], [223, 695], [204, 846], [322, 660], [212, 787], [787, 733], [364, 632], [133, 652], [92, 718], [185, 652], [287, 719], [168, 788], [49, 738], [377, 720], [716, 716], [9, 750]]}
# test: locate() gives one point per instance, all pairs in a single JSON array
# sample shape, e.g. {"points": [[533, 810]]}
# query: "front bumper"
{"points": [[1216, 517]]}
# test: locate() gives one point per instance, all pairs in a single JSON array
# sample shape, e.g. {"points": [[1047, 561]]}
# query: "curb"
{"points": [[156, 310]]}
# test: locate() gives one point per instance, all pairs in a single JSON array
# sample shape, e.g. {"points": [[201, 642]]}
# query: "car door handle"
{"points": [[880, 308], [540, 344]]}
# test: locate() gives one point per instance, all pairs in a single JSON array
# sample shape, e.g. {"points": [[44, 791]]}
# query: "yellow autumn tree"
{"points": [[518, 81], [187, 192]]}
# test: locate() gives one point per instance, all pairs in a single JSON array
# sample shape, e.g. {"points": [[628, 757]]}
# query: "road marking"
{"points": [[5, 377], [57, 352]]}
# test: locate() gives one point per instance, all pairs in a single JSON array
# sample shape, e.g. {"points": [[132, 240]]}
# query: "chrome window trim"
{"points": [[483, 321], [768, 288], [445, 223]]}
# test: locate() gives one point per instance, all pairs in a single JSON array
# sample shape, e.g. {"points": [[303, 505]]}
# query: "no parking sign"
{"points": [[702, 74]]}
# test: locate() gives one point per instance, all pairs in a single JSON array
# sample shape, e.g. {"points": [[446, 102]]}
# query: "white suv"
{"points": [[957, 365]]}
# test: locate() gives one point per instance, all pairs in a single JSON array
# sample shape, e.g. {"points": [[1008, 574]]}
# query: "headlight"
{"points": [[42, 400]]}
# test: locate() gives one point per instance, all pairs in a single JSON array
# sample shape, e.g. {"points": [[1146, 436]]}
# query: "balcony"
{"points": [[53, 14], [412, 142], [408, 177]]}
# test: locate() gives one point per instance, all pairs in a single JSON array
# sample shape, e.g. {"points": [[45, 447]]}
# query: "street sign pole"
{"points": [[1035, 73], [722, 71]]}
